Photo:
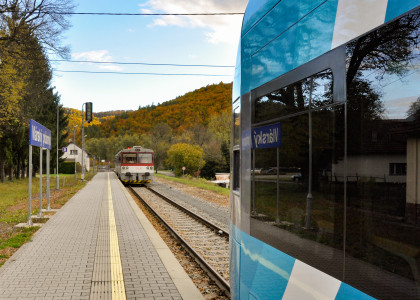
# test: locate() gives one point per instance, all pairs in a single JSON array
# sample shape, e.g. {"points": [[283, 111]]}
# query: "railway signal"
{"points": [[88, 112]]}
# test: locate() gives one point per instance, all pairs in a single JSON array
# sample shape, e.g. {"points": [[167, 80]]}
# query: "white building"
{"points": [[73, 153]]}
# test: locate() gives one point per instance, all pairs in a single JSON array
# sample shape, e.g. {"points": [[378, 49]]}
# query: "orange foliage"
{"points": [[184, 112]]}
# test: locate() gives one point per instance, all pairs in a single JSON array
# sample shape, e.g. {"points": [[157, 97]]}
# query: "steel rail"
{"points": [[219, 230], [213, 274]]}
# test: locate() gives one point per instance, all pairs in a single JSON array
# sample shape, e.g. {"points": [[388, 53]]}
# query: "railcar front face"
{"points": [[136, 167]]}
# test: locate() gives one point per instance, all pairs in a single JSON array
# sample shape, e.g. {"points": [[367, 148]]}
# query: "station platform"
{"points": [[97, 246]]}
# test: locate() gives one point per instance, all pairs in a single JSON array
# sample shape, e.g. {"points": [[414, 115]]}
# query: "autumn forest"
{"points": [[197, 124]]}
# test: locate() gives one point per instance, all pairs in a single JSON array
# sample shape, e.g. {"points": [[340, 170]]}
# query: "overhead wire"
{"points": [[143, 73], [148, 14], [142, 63], [132, 14], [139, 63]]}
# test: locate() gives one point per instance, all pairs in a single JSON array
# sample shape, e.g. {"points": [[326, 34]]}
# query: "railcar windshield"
{"points": [[145, 158], [129, 158]]}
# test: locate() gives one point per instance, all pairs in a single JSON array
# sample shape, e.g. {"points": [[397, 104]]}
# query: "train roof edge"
{"points": [[135, 149], [332, 25]]}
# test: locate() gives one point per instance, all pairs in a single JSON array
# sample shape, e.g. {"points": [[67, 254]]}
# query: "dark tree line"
{"points": [[29, 30]]}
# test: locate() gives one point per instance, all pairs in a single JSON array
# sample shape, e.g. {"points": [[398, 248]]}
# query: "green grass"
{"points": [[19, 239], [14, 196], [199, 183]]}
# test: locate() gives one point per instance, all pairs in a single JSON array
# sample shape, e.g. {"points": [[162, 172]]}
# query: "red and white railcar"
{"points": [[135, 165]]}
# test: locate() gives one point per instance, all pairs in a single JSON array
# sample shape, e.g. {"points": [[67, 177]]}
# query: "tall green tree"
{"points": [[185, 155]]}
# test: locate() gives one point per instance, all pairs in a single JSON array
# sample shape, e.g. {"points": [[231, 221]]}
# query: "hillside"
{"points": [[195, 107]]}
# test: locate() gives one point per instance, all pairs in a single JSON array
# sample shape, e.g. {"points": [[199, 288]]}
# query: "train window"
{"points": [[145, 158], [383, 190], [297, 194], [236, 169], [129, 158], [236, 125], [295, 98]]}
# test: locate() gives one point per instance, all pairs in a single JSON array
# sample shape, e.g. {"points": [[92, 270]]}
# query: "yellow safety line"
{"points": [[117, 279]]}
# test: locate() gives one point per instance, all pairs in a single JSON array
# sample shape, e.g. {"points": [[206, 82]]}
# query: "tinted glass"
{"points": [[383, 187], [236, 169], [298, 200], [145, 158], [129, 158], [295, 98], [236, 125]]}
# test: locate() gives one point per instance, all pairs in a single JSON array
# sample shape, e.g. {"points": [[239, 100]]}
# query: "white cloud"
{"points": [[218, 28], [100, 56]]}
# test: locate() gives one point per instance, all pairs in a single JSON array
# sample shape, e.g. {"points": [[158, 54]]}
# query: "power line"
{"points": [[147, 14], [141, 73], [138, 63], [132, 14]]}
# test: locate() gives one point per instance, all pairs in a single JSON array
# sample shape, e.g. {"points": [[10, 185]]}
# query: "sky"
{"points": [[193, 40]]}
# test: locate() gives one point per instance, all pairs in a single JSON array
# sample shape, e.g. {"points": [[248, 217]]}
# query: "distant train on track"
{"points": [[135, 165]]}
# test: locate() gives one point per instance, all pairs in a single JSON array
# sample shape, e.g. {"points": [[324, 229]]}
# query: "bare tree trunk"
{"points": [[10, 173], [18, 168], [2, 173]]}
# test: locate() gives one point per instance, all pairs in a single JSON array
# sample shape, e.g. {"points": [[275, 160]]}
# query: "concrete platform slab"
{"points": [[99, 245]]}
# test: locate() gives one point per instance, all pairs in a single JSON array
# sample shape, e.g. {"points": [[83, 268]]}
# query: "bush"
{"points": [[67, 167], [211, 168], [185, 155]]}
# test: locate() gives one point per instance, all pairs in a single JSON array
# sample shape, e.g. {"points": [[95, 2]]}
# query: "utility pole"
{"points": [[57, 182], [74, 150]]}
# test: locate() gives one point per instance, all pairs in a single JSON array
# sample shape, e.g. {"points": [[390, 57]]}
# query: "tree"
{"points": [[185, 155], [414, 109], [28, 29], [159, 140], [46, 20]]}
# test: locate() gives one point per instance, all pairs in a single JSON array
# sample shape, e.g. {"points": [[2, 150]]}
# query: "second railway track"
{"points": [[208, 243]]}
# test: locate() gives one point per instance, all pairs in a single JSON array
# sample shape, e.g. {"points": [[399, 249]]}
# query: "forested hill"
{"points": [[184, 112]]}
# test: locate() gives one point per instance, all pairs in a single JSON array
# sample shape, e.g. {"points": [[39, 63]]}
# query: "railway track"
{"points": [[207, 243]]}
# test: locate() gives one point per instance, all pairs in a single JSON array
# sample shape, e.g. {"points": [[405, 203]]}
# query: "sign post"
{"points": [[39, 136]]}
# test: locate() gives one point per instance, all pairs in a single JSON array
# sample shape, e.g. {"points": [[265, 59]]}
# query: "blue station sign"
{"points": [[39, 135], [266, 136]]}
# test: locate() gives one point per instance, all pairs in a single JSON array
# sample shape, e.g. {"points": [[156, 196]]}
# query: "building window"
{"points": [[398, 169], [73, 152]]}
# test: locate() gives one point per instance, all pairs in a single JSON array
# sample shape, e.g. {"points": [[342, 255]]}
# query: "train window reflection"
{"points": [[145, 158], [302, 197], [129, 158], [296, 97], [236, 126], [383, 191]]}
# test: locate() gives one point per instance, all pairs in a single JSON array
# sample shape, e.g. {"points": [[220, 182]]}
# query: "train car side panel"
{"points": [[333, 212]]}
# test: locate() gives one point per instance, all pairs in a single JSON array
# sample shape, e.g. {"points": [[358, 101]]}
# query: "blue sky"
{"points": [[210, 40]]}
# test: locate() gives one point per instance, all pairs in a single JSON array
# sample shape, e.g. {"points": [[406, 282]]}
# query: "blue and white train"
{"points": [[325, 188]]}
